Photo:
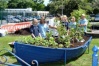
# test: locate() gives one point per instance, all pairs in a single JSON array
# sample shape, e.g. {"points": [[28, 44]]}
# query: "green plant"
{"points": [[48, 34], [80, 34], [63, 37], [60, 45], [38, 41], [78, 13], [63, 40], [76, 34], [26, 40], [62, 30]]}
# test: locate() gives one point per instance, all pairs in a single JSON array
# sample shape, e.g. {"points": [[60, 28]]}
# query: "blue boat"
{"points": [[29, 52]]}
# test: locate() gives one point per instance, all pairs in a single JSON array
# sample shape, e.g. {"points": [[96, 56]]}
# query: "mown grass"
{"points": [[84, 60]]}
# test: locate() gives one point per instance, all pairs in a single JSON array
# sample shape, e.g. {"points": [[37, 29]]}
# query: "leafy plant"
{"points": [[62, 41], [48, 34], [62, 30], [38, 41], [76, 34], [78, 13], [63, 37]]}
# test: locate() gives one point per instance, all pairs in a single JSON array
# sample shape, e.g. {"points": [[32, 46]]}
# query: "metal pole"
{"points": [[1, 16], [18, 58], [95, 56], [7, 17], [62, 7]]}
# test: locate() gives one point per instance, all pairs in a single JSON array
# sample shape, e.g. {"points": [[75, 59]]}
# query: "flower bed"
{"points": [[67, 45], [43, 54]]}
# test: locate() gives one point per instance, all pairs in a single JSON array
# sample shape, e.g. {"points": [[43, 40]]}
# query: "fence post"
{"points": [[95, 56]]}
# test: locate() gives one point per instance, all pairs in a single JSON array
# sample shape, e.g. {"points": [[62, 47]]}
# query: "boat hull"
{"points": [[42, 54]]}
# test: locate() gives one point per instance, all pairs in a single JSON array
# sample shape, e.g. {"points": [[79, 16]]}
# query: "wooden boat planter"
{"points": [[29, 52]]}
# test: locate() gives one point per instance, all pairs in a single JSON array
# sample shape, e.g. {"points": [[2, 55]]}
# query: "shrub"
{"points": [[77, 13]]}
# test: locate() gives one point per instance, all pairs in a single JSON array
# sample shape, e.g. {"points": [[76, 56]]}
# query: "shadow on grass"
{"points": [[6, 54], [17, 63], [59, 63]]}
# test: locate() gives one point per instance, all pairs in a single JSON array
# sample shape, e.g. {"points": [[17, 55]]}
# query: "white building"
{"points": [[19, 10], [41, 13], [26, 11], [23, 12]]}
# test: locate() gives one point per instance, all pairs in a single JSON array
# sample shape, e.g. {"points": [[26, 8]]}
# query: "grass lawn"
{"points": [[84, 60]]}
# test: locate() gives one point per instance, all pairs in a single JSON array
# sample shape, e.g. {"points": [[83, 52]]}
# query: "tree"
{"points": [[25, 4], [69, 6], [39, 1], [13, 3], [95, 6], [78, 13], [47, 8], [86, 5], [39, 5], [34, 4], [3, 4]]}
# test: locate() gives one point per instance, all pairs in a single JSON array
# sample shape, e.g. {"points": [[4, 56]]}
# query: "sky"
{"points": [[46, 2]]}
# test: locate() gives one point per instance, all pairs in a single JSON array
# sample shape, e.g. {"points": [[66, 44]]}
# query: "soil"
{"points": [[26, 31], [77, 44]]}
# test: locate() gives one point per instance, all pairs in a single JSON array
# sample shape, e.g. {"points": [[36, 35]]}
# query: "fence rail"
{"points": [[5, 63]]}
